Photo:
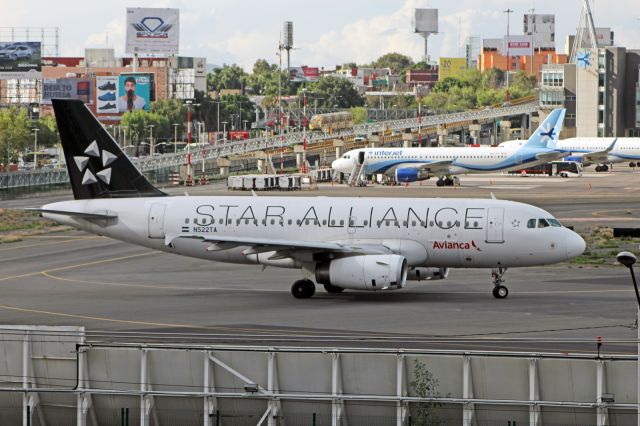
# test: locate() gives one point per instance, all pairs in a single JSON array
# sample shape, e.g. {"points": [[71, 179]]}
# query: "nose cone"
{"points": [[575, 245], [340, 165]]}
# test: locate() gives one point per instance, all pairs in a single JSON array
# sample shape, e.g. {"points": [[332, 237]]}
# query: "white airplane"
{"points": [[345, 243], [416, 164], [599, 151]]}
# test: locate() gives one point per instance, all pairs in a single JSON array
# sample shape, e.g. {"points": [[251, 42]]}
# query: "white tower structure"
{"points": [[585, 33], [426, 24], [287, 40]]}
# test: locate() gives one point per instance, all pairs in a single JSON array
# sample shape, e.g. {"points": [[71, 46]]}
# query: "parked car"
{"points": [[11, 53]]}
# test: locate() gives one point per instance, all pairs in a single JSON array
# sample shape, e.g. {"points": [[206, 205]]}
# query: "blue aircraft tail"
{"points": [[546, 135]]}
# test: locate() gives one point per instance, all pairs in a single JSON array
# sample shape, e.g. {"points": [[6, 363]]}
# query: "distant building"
{"points": [[426, 77], [600, 92], [472, 49]]}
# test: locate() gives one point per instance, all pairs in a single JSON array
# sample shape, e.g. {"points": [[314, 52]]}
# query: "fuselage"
{"points": [[624, 149], [437, 232], [463, 160]]}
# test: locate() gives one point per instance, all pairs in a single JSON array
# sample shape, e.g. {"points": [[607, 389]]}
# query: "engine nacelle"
{"points": [[409, 174], [420, 274], [366, 272]]}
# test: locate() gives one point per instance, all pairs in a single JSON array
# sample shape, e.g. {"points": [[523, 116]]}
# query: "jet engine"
{"points": [[421, 274], [366, 272], [410, 175]]}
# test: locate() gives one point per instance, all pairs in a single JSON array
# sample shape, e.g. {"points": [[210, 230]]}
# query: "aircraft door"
{"points": [[156, 220], [495, 222], [361, 157]]}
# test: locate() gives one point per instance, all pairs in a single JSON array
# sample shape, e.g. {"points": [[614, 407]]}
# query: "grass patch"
{"points": [[18, 220], [602, 248]]}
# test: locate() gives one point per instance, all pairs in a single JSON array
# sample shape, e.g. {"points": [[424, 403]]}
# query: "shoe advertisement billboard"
{"points": [[153, 30], [67, 88], [134, 92], [20, 59], [106, 94]]}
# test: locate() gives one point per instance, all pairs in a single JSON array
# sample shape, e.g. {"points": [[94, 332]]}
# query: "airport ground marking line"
{"points": [[63, 268], [159, 286], [18, 247]]}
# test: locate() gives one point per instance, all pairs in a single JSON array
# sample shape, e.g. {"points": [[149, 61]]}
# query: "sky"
{"points": [[326, 32]]}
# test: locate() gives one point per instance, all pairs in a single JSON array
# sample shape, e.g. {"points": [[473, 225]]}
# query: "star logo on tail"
{"points": [[82, 162]]}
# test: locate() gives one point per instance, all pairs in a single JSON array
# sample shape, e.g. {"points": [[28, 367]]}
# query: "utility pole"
{"points": [[175, 137], [508, 12], [151, 144], [35, 148], [280, 105]]}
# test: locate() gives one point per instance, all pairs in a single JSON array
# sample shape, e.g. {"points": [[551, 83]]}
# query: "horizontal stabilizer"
{"points": [[81, 215]]}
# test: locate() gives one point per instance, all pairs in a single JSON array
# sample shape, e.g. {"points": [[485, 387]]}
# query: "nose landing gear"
{"points": [[499, 291]]}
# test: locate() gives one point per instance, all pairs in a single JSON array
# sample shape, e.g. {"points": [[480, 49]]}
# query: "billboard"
{"points": [[452, 67], [106, 94], [20, 59], [304, 74], [134, 92], [67, 88], [520, 45], [153, 30]]}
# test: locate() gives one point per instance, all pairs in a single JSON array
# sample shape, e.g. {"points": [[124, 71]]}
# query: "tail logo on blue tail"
{"points": [[82, 162], [548, 133]]}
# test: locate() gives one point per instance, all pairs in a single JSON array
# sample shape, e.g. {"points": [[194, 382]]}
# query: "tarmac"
{"points": [[123, 292]]}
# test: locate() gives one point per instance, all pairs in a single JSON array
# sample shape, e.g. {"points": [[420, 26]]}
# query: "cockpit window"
{"points": [[555, 223], [542, 223], [532, 223]]}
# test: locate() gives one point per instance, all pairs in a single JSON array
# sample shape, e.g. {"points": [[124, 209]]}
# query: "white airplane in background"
{"points": [[599, 151], [416, 164], [345, 243]]}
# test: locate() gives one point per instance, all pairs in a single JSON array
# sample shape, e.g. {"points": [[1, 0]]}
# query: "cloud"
{"points": [[116, 31], [364, 40]]}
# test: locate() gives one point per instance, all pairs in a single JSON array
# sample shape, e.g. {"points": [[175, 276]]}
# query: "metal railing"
{"points": [[237, 148]]}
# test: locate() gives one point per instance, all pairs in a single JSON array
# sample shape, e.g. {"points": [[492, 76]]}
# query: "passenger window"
{"points": [[221, 221], [531, 223], [542, 223]]}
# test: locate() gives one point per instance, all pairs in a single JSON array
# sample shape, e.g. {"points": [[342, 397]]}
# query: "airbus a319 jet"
{"points": [[416, 164], [343, 243]]}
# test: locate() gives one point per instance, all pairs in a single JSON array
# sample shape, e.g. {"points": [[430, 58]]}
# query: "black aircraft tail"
{"points": [[97, 166]]}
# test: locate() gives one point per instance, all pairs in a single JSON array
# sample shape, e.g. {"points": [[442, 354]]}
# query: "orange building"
{"points": [[531, 65]]}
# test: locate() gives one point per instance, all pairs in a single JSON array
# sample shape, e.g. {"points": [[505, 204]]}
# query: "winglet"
{"points": [[493, 196], [612, 145]]}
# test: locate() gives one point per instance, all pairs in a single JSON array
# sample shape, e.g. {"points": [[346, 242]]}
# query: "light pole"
{"points": [[244, 122], [224, 131], [629, 259], [151, 146], [508, 12], [175, 137], [35, 148]]}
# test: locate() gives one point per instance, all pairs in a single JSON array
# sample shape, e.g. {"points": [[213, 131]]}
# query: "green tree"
{"points": [[425, 385], [335, 92], [16, 136], [396, 61], [47, 131], [227, 77], [359, 115]]}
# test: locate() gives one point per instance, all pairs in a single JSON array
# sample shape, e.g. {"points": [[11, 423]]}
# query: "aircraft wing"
{"points": [[550, 156], [284, 248], [435, 168], [599, 156]]}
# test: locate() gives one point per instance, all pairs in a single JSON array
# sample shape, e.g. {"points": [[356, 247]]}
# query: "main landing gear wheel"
{"points": [[447, 181], [499, 290], [333, 289], [603, 168], [303, 289]]}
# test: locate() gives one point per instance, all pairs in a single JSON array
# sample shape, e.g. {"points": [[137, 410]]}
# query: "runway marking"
{"points": [[64, 268], [159, 286], [18, 247]]}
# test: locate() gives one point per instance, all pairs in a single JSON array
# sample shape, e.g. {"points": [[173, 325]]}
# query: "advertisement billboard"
{"points": [[452, 67], [134, 92], [304, 74], [520, 45], [67, 88], [20, 59], [106, 94], [153, 30]]}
